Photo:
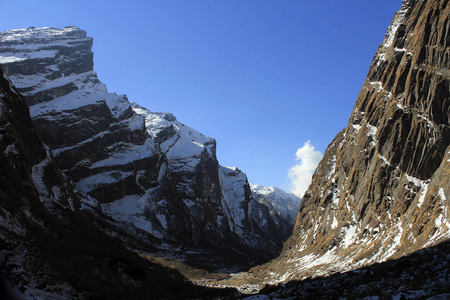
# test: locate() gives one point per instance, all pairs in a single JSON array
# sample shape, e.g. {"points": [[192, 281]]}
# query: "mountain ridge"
{"points": [[154, 176]]}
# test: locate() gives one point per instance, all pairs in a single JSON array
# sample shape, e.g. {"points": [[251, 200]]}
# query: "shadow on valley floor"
{"points": [[424, 274]]}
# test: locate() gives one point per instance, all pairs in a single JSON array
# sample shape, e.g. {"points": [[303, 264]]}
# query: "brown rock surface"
{"points": [[382, 190]]}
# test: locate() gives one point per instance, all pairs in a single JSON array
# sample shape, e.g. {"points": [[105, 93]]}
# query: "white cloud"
{"points": [[301, 173]]}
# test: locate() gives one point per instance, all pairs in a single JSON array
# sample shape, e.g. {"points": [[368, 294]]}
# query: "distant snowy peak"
{"points": [[285, 204], [275, 193]]}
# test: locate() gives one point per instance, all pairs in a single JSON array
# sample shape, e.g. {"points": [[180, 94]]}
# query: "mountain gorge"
{"points": [[382, 188], [95, 189]]}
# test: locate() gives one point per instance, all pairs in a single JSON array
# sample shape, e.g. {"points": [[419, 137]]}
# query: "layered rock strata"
{"points": [[153, 176], [50, 243]]}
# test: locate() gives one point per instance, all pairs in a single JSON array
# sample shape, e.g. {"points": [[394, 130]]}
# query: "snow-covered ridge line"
{"points": [[32, 35], [128, 154], [38, 82], [391, 32], [275, 192]]}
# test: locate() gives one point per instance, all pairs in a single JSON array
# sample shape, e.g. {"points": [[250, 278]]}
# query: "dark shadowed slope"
{"points": [[50, 244]]}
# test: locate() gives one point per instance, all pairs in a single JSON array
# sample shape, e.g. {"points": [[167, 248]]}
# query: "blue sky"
{"points": [[261, 77]]}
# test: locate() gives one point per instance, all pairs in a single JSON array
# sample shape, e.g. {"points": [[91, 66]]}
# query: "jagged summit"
{"points": [[277, 192], [176, 139]]}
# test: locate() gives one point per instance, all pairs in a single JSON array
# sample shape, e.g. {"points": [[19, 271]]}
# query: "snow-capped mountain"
{"points": [[153, 176], [188, 150], [284, 204], [282, 207]]}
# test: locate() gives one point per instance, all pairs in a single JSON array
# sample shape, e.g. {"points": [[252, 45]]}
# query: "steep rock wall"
{"points": [[382, 189], [51, 245]]}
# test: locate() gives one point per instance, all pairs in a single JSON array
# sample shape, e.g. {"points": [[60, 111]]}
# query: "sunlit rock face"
{"points": [[382, 188], [152, 175]]}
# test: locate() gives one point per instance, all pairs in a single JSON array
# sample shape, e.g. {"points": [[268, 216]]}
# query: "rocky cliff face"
{"points": [[153, 176], [50, 243], [382, 189]]}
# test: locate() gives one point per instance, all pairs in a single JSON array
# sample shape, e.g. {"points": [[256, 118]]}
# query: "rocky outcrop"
{"points": [[382, 189], [218, 197], [152, 176]]}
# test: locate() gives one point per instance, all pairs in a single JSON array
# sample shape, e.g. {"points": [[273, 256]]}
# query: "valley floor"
{"points": [[424, 274]]}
